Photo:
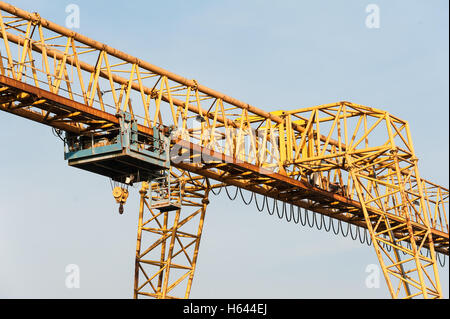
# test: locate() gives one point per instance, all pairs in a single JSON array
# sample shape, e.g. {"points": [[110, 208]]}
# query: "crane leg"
{"points": [[415, 273], [168, 241]]}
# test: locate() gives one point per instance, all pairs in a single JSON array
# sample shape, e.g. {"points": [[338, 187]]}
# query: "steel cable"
{"points": [[301, 221], [220, 189], [342, 229], [257, 205], [439, 259], [273, 207], [243, 199], [329, 224], [307, 219], [317, 224], [369, 239], [291, 214], [401, 244], [298, 214], [235, 195], [332, 224], [351, 234], [278, 211], [359, 234], [311, 220], [386, 246]]}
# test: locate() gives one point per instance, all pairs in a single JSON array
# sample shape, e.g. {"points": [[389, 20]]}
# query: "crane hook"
{"points": [[120, 194]]}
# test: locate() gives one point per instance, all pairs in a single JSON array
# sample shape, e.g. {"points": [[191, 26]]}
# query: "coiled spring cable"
{"points": [[311, 219]]}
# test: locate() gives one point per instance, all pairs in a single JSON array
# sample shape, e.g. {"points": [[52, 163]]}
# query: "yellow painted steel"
{"points": [[348, 161], [168, 241], [120, 195]]}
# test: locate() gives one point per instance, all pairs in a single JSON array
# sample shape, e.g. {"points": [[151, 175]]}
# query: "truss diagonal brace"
{"points": [[168, 241]]}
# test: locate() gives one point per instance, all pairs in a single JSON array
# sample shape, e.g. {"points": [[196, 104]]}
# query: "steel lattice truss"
{"points": [[168, 242], [350, 162]]}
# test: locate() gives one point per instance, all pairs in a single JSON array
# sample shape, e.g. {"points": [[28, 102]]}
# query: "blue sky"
{"points": [[271, 54]]}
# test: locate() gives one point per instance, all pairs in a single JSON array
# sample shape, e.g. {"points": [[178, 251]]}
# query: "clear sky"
{"points": [[271, 54]]}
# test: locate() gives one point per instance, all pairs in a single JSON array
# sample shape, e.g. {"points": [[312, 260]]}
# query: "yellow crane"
{"points": [[180, 140]]}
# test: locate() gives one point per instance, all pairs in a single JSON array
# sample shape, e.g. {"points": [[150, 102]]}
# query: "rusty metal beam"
{"points": [[145, 65], [325, 197]]}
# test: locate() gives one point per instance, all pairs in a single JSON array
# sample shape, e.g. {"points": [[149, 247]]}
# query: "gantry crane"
{"points": [[134, 122]]}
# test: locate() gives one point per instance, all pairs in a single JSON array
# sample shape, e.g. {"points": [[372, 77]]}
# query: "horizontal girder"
{"points": [[278, 152], [215, 165], [348, 161]]}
